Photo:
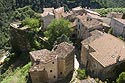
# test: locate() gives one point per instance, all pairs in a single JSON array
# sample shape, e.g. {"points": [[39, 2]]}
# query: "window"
{"points": [[52, 62], [50, 70], [54, 76], [94, 65], [61, 73], [79, 26], [78, 20]]}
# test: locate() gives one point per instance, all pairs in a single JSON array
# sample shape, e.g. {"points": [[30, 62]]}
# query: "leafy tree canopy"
{"points": [[56, 29], [32, 23], [121, 78]]}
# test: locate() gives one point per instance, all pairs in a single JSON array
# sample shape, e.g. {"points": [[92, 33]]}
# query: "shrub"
{"points": [[81, 74], [121, 78]]}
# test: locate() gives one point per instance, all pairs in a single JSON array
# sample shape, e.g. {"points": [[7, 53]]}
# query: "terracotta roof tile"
{"points": [[46, 14], [120, 20], [59, 10], [88, 22], [63, 49], [77, 8], [107, 49], [48, 9], [44, 56]]}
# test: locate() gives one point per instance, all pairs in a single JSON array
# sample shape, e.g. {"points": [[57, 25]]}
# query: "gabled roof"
{"points": [[48, 9], [46, 14], [44, 56], [93, 16], [65, 14], [59, 10], [120, 20], [77, 8], [107, 49], [63, 49], [91, 12], [89, 22], [92, 36]]}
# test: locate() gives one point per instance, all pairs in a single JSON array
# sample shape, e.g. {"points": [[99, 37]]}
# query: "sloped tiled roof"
{"points": [[48, 9], [63, 49], [77, 8], [107, 49], [91, 12], [89, 22], [92, 36], [44, 14], [59, 10], [120, 20], [44, 56]]}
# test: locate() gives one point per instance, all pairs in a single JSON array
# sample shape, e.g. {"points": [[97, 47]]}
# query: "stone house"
{"points": [[58, 12], [18, 36], [44, 68], [118, 26], [84, 25], [51, 66], [50, 14], [90, 11], [103, 55]]}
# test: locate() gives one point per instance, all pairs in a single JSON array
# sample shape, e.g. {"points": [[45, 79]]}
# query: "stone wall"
{"points": [[84, 54], [118, 28], [19, 41], [52, 71], [47, 20], [69, 63], [39, 76], [65, 65]]}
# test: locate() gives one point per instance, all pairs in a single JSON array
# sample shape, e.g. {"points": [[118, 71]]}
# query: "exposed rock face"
{"points": [[19, 40]]}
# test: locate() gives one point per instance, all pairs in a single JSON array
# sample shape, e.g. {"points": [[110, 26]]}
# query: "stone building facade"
{"points": [[47, 18], [102, 55], [50, 14], [84, 25], [118, 26], [51, 66]]}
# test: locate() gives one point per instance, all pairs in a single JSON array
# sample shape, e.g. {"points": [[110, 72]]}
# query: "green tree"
{"points": [[56, 29], [32, 23], [81, 74], [121, 78], [61, 39]]}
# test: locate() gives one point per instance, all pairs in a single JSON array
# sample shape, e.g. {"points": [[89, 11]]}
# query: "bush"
{"points": [[105, 11], [81, 74], [32, 23], [121, 78]]}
